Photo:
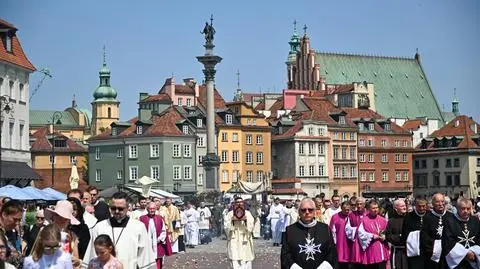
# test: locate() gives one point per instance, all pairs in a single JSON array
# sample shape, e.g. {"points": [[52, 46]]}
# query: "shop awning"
{"points": [[17, 173]]}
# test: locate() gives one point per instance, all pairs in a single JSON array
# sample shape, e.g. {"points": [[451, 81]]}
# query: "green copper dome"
{"points": [[104, 91]]}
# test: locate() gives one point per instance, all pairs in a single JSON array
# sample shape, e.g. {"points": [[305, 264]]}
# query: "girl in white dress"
{"points": [[3, 252], [46, 253]]}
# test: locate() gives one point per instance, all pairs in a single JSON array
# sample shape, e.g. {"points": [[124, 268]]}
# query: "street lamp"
{"points": [[57, 115], [5, 106]]}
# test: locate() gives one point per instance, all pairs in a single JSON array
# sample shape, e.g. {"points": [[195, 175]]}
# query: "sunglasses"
{"points": [[114, 208], [305, 210], [48, 248]]}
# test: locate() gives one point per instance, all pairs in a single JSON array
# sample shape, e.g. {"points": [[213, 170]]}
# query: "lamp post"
{"points": [[5, 106], [57, 115]]}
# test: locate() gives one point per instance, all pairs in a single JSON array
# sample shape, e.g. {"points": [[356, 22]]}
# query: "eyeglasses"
{"points": [[49, 248], [115, 208], [305, 210]]}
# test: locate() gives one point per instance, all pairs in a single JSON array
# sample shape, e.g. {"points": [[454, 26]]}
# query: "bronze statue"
{"points": [[209, 31]]}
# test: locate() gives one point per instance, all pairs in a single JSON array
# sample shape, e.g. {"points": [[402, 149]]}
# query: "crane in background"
{"points": [[46, 73]]}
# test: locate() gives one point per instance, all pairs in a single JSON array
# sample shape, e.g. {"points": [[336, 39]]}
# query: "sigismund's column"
{"points": [[211, 162]]}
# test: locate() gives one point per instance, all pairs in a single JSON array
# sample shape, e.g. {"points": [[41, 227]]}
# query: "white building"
{"points": [[420, 128], [15, 69]]}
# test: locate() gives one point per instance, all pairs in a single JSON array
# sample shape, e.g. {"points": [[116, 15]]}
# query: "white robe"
{"points": [[138, 213], [204, 221], [191, 228], [132, 246], [89, 219], [239, 239], [328, 214], [290, 216], [276, 217]]}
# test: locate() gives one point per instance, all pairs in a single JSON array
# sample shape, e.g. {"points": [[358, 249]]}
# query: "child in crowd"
{"points": [[105, 254]]}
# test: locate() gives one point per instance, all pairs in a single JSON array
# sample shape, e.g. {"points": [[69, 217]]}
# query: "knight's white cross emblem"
{"points": [[466, 239], [310, 248], [440, 230]]}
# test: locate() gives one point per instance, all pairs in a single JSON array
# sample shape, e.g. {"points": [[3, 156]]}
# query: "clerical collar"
{"points": [[309, 225], [418, 214], [119, 223], [438, 215], [460, 219]]}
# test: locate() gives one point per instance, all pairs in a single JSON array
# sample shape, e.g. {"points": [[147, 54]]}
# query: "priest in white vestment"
{"points": [[129, 237], [239, 228], [191, 227], [276, 220]]}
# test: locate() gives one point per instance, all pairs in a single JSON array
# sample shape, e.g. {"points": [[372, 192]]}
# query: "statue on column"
{"points": [[209, 31]]}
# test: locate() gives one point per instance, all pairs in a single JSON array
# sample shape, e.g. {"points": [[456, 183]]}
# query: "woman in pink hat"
{"points": [[61, 217]]}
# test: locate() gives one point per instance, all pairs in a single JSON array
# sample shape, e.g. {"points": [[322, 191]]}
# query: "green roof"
{"points": [[401, 87], [44, 117], [87, 113]]}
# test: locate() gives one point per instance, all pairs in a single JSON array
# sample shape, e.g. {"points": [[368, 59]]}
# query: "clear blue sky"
{"points": [[147, 41]]}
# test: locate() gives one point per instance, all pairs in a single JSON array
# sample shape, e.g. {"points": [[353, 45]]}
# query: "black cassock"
{"points": [[393, 234], [412, 224], [460, 237], [431, 239], [308, 247]]}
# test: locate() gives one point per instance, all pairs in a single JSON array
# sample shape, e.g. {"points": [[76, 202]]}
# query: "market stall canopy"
{"points": [[134, 191], [42, 195], [56, 194], [15, 193]]}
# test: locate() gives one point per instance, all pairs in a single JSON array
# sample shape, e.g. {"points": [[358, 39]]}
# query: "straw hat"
{"points": [[63, 209]]}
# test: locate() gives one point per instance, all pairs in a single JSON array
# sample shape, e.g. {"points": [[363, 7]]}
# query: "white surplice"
{"points": [[239, 240], [191, 227]]}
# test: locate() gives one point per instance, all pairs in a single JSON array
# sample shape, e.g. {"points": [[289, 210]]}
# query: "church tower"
{"points": [[455, 108], [292, 57], [105, 106]]}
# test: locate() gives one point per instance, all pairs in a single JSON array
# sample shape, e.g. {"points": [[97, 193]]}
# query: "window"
{"points": [[155, 172], [249, 157], [311, 170], [200, 142], [97, 153], [235, 137], [154, 150], [435, 163], [397, 143], [311, 149], [405, 176], [321, 132], [321, 170], [361, 126], [114, 131], [176, 150], [259, 140], [259, 176], [384, 158], [449, 180], [249, 176], [336, 172], [199, 123], [120, 153], [335, 135], [321, 149], [98, 175], [370, 142], [235, 155], [436, 180], [200, 179], [310, 131], [20, 135], [371, 176], [185, 129], [254, 122], [341, 120], [52, 159], [405, 158], [387, 127], [344, 136], [371, 158], [363, 176], [73, 159], [478, 162], [352, 136], [235, 175], [405, 143], [301, 149], [180, 101], [384, 143], [119, 174], [224, 157], [384, 176], [336, 152], [353, 171], [416, 164], [187, 150], [132, 151], [371, 126], [397, 158], [109, 112], [176, 172], [11, 90], [344, 153], [361, 157], [187, 172], [456, 162], [361, 142], [8, 42], [301, 170], [228, 119], [248, 139], [398, 176], [133, 172], [259, 157], [200, 159], [448, 163], [353, 153], [189, 102], [456, 180], [139, 129]]}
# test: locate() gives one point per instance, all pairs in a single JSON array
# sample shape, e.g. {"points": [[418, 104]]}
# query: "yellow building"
{"points": [[243, 145]]}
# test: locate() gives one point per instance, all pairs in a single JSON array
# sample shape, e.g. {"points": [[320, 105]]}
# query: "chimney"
{"points": [[322, 83], [474, 128], [143, 96]]}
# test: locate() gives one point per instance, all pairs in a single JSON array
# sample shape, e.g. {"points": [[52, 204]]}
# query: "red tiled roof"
{"points": [[353, 113], [202, 98], [17, 56], [42, 143], [247, 97], [412, 125], [184, 89], [462, 129], [260, 106], [278, 105], [320, 108], [290, 132], [288, 191], [156, 97], [340, 88]]}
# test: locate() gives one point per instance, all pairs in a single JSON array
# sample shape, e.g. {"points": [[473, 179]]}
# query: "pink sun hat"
{"points": [[63, 209]]}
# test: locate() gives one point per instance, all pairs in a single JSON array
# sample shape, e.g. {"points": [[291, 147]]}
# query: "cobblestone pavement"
{"points": [[214, 256]]}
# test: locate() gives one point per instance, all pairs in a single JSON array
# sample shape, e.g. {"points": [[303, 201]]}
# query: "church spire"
{"points": [[238, 94], [455, 102]]}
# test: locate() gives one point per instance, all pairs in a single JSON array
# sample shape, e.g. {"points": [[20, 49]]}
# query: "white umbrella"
{"points": [[74, 178]]}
